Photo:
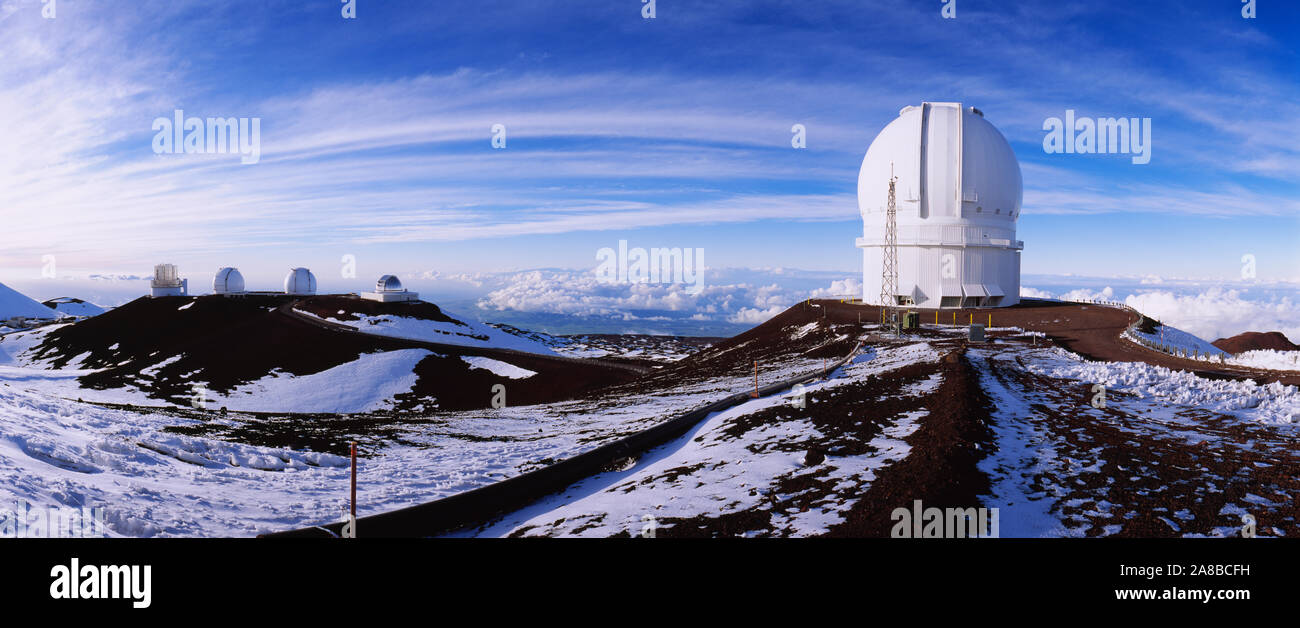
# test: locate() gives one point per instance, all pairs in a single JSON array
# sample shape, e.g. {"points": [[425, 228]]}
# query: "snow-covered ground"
{"points": [[1273, 404], [1268, 359], [1195, 348], [1179, 340], [13, 345], [471, 333], [497, 367], [1023, 447], [55, 452], [1165, 445], [157, 474], [78, 308], [153, 481], [363, 385], [14, 304], [656, 348], [366, 384], [719, 468]]}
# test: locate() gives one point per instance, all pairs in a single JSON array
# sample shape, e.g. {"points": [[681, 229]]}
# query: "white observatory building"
{"points": [[228, 281], [300, 281], [389, 290], [167, 282], [957, 197]]}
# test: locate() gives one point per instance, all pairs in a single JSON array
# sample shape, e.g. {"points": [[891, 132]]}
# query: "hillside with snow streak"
{"points": [[250, 353], [1010, 424], [14, 304]]}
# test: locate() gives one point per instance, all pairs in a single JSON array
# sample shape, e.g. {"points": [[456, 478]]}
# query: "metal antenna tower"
{"points": [[889, 270]]}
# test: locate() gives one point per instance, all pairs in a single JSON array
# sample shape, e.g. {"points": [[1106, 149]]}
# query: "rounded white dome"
{"points": [[388, 283], [228, 281], [952, 165], [957, 193], [300, 281]]}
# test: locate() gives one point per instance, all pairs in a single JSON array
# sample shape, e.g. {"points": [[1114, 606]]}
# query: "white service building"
{"points": [[957, 196], [389, 290]]}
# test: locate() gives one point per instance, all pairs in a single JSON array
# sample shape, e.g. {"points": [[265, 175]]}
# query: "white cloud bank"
{"points": [[580, 293], [1034, 293], [1218, 312], [752, 296]]}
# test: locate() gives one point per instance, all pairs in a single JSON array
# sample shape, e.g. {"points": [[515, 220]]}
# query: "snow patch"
{"points": [[497, 367], [366, 384]]}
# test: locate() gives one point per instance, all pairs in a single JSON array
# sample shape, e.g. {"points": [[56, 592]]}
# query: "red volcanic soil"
{"points": [[1093, 331], [1112, 471], [1255, 340], [774, 340], [1109, 471], [223, 342], [940, 469]]}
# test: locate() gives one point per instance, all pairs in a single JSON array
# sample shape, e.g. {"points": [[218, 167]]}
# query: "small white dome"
{"points": [[388, 283], [228, 281], [300, 281]]}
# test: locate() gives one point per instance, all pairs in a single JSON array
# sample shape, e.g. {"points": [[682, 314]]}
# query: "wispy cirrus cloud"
{"points": [[401, 154]]}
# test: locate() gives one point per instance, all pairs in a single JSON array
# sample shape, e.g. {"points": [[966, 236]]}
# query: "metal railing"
{"points": [[1130, 333]]}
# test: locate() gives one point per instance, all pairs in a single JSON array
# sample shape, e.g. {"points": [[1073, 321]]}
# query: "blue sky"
{"points": [[666, 132]]}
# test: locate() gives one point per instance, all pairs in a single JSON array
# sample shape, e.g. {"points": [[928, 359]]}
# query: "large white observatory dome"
{"points": [[300, 281], [388, 283], [957, 196], [228, 281]]}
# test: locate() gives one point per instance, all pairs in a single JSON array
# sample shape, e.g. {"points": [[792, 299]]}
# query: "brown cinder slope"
{"points": [[1256, 340], [224, 342]]}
